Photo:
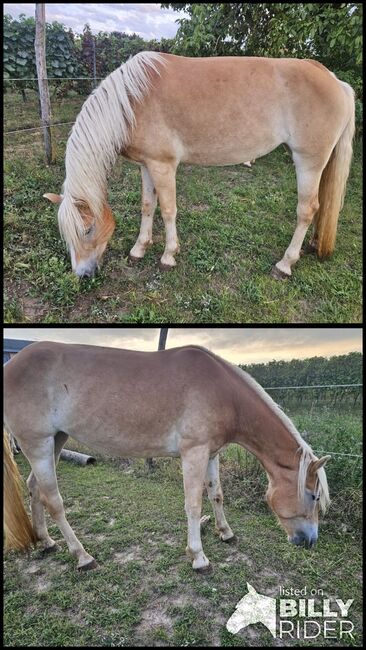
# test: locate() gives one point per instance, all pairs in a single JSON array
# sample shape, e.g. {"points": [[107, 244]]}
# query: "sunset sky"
{"points": [[238, 345], [147, 20]]}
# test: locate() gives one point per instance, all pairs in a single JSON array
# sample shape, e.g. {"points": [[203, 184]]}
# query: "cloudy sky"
{"points": [[147, 20], [238, 345]]}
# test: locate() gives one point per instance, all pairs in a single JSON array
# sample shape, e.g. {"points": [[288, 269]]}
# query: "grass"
{"points": [[144, 591], [234, 223]]}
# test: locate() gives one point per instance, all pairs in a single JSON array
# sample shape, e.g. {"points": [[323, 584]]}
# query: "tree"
{"points": [[331, 33]]}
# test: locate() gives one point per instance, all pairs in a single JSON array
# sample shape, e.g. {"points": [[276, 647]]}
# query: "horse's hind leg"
{"points": [[308, 180], [214, 491], [149, 201], [41, 457], [194, 465], [37, 509]]}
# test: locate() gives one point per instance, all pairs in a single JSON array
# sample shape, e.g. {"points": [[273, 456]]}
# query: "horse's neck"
{"points": [[267, 436]]}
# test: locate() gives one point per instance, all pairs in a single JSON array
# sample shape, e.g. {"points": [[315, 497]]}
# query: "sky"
{"points": [[147, 20], [237, 345]]}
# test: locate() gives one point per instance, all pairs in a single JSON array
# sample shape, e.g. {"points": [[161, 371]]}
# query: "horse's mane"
{"points": [[305, 451], [101, 131]]}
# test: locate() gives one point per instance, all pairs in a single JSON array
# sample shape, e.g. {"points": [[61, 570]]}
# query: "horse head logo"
{"points": [[253, 608]]}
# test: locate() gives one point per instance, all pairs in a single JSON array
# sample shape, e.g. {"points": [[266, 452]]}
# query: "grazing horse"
{"points": [[183, 402], [159, 110]]}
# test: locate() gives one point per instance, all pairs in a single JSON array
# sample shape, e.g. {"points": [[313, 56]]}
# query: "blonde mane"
{"points": [[305, 451], [101, 131]]}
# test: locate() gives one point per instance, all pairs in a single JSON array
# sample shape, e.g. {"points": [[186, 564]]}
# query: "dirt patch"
{"points": [[42, 584], [200, 207], [132, 554], [33, 308], [236, 558], [170, 541], [33, 568], [154, 618]]}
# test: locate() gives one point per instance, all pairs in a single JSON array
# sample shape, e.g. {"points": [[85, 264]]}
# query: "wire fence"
{"points": [[31, 105], [316, 387]]}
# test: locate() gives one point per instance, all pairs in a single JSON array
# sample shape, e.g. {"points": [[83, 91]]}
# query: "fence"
{"points": [[22, 114]]}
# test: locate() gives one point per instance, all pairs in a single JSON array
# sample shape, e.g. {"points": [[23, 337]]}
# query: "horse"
{"points": [[182, 402], [159, 110]]}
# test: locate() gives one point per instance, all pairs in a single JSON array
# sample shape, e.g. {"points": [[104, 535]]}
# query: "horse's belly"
{"points": [[127, 442], [219, 155]]}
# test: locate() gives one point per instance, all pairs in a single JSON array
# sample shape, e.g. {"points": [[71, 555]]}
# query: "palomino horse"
{"points": [[183, 402], [159, 110]]}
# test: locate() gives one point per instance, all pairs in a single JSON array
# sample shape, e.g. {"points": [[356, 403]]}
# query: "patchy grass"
{"points": [[144, 592], [234, 223]]}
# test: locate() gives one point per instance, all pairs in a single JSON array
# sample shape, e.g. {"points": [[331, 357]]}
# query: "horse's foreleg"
{"points": [[194, 465], [307, 206], [41, 457], [149, 201], [214, 491], [163, 175]]}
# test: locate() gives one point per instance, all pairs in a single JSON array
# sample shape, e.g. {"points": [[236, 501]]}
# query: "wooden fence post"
{"points": [[94, 63], [44, 96], [162, 342]]}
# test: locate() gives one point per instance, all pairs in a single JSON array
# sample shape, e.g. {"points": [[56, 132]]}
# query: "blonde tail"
{"points": [[19, 533], [332, 186]]}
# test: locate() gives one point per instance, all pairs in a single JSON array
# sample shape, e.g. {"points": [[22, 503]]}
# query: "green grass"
{"points": [[145, 591], [234, 223]]}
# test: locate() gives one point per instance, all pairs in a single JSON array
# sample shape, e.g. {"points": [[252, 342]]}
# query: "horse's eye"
{"points": [[315, 497], [88, 230]]}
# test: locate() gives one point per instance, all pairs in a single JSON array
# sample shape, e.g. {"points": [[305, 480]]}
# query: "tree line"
{"points": [[315, 371]]}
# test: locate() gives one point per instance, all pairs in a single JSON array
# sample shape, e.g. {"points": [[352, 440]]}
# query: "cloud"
{"points": [[147, 20], [238, 345]]}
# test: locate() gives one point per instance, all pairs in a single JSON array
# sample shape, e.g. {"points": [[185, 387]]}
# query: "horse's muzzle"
{"points": [[86, 269], [304, 538]]}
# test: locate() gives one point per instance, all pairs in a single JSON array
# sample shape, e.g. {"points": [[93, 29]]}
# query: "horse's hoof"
{"points": [[231, 540], [309, 249], [133, 259], [50, 549], [205, 569], [279, 275], [165, 267], [87, 567]]}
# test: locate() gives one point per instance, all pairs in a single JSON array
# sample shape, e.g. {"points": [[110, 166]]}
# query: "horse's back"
{"points": [[225, 110], [121, 402]]}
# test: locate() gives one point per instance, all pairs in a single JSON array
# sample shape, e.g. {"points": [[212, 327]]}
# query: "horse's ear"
{"points": [[81, 204], [317, 464], [251, 589], [54, 198]]}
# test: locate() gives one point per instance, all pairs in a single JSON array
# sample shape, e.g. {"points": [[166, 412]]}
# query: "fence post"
{"points": [[44, 96], [94, 63], [162, 341]]}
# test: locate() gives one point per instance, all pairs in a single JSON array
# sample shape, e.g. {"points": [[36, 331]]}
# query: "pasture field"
{"points": [[145, 592], [234, 223]]}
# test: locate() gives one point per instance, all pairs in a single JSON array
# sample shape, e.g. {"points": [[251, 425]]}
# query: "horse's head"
{"points": [[86, 236], [295, 496]]}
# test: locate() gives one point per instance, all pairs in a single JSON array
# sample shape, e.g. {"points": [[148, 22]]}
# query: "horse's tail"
{"points": [[19, 533], [333, 183]]}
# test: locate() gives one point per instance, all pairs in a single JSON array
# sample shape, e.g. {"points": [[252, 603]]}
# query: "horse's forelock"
{"points": [[70, 223], [306, 457]]}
